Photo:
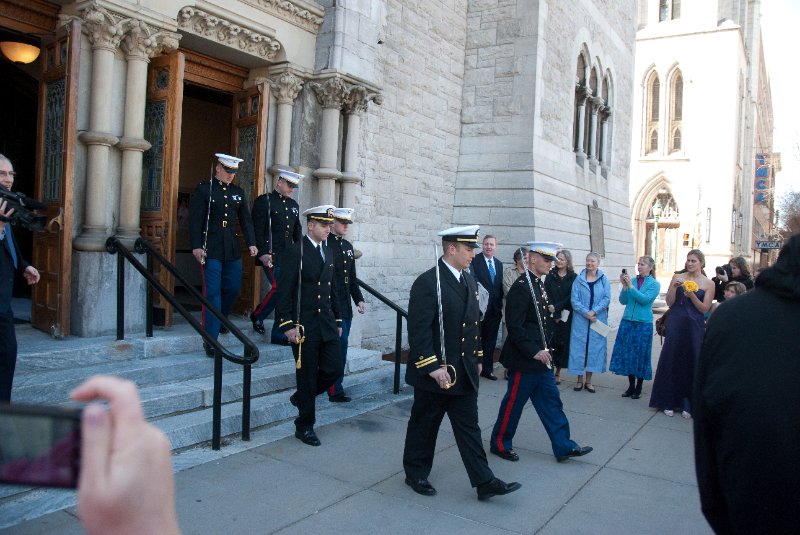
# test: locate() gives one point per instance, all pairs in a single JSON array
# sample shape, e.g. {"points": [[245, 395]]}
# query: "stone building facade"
{"points": [[511, 114], [702, 167]]}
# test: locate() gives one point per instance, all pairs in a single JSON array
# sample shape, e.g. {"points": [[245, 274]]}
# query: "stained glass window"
{"points": [[54, 140], [247, 151], [153, 159]]}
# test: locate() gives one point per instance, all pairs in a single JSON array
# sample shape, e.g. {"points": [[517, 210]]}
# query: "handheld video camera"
{"points": [[23, 210]]}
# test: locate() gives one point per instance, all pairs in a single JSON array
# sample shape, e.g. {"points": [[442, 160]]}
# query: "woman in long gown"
{"points": [[689, 297]]}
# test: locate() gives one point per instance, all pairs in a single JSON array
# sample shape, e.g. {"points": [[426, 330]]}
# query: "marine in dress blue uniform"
{"points": [[214, 209], [527, 358], [307, 297], [434, 392], [276, 221], [344, 259]]}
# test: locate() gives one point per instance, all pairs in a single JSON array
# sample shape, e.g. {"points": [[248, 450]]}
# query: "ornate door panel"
{"points": [[249, 142], [161, 163], [52, 248]]}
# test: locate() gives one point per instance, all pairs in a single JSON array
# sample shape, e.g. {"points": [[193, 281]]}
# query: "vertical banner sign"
{"points": [[762, 179]]}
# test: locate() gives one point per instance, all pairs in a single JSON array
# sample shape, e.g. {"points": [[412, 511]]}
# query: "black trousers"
{"points": [[490, 325], [423, 427], [8, 355], [320, 368]]}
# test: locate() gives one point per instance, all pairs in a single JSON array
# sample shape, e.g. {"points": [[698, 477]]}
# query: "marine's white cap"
{"points": [[230, 163], [547, 249], [345, 215], [292, 178]]}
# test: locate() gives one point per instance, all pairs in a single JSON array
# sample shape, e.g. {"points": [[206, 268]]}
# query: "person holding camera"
{"points": [[11, 262]]}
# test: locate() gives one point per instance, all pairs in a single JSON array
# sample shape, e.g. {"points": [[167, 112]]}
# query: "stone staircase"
{"points": [[175, 380]]}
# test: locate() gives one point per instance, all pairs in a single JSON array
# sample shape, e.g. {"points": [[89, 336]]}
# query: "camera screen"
{"points": [[39, 446]]}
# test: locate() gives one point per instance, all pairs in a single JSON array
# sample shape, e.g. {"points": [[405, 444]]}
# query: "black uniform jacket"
{"points": [[7, 272], [277, 223], [524, 336], [480, 271], [346, 286], [319, 313], [462, 337], [228, 205]]}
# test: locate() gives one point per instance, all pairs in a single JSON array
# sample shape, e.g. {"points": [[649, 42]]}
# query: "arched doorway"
{"points": [[661, 235]]}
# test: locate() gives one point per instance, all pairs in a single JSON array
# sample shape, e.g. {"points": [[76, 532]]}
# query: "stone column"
{"points": [[581, 94], [605, 115], [330, 94], [104, 32], [139, 44], [596, 103], [358, 98], [285, 87]]}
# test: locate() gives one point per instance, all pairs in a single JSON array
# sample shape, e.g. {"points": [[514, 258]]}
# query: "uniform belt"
{"points": [[224, 224]]}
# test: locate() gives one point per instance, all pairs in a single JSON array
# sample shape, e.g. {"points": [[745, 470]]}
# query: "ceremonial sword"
{"points": [[538, 313]]}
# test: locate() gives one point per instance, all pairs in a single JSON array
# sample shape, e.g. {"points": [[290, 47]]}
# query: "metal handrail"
{"points": [[250, 354], [398, 334]]}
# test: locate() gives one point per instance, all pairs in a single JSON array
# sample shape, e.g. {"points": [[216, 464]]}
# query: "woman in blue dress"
{"points": [[672, 387], [591, 295], [633, 346]]}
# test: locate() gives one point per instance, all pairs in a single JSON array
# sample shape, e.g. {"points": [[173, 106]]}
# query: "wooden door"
{"points": [[249, 142], [161, 163], [57, 130]]}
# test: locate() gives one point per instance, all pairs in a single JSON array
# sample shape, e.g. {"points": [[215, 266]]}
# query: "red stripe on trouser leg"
{"points": [[203, 309], [269, 295], [509, 407], [332, 390]]}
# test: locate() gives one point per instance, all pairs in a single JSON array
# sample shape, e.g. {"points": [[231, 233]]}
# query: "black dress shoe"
{"points": [[496, 487], [208, 349], [628, 393], [508, 455], [489, 376], [293, 399], [258, 325], [576, 452], [308, 437], [421, 486], [636, 394], [339, 398]]}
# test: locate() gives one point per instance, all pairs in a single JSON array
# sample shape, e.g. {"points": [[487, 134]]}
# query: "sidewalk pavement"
{"points": [[639, 478]]}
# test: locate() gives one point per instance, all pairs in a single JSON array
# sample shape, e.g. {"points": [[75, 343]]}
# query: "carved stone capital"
{"points": [[582, 92], [286, 87], [331, 93], [224, 31], [143, 41], [597, 104], [104, 29], [358, 98]]}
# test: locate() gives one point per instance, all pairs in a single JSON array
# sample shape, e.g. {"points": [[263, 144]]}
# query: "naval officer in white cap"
{"points": [[437, 391], [307, 313], [214, 209]]}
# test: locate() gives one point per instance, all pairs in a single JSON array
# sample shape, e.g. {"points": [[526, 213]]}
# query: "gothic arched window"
{"points": [[652, 112], [676, 111]]}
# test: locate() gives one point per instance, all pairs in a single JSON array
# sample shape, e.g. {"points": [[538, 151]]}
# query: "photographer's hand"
{"points": [[126, 484], [4, 214]]}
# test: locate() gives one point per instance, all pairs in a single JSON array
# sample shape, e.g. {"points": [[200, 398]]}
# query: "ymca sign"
{"points": [[769, 244]]}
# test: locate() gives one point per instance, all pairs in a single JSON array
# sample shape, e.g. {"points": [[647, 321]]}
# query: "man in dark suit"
{"points": [[276, 221], [528, 360], [309, 317], [488, 271], [11, 262], [214, 209], [446, 383], [346, 287]]}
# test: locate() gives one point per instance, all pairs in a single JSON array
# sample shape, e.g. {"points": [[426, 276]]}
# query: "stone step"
{"points": [[193, 428], [278, 375]]}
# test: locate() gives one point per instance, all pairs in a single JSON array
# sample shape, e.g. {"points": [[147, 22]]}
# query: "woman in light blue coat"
{"points": [[591, 296], [632, 348]]}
